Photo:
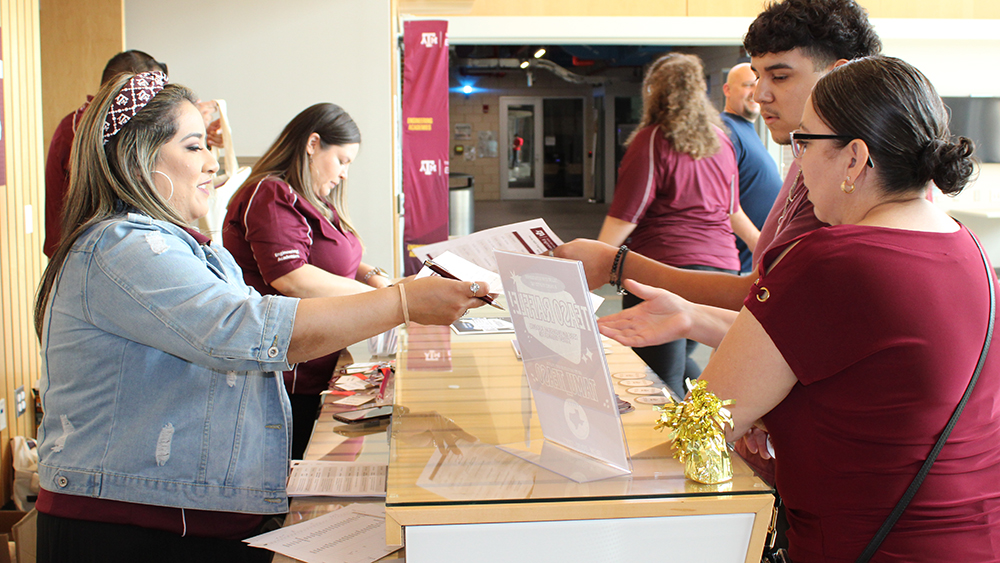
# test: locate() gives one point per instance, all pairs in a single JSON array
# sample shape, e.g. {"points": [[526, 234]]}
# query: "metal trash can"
{"points": [[461, 204]]}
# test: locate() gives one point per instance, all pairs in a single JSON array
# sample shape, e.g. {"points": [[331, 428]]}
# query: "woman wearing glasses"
{"points": [[864, 335]]}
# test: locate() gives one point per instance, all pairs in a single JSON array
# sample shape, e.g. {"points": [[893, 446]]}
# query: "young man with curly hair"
{"points": [[792, 44]]}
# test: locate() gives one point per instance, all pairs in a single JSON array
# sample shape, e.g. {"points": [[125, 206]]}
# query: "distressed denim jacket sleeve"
{"points": [[164, 290]]}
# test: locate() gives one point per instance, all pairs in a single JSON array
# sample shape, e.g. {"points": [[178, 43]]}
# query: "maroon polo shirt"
{"points": [[680, 205], [57, 167], [270, 230]]}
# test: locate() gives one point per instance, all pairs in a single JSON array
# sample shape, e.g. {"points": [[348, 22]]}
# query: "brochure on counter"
{"points": [[336, 479], [526, 237]]}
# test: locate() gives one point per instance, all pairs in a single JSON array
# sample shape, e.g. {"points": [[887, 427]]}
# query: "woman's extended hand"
{"points": [[438, 301], [595, 255], [661, 317]]}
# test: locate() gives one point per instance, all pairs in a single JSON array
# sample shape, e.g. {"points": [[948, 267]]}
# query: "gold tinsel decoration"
{"points": [[697, 428]]}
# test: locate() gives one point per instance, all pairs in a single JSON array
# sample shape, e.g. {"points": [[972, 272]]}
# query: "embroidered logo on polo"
{"points": [[286, 255]]}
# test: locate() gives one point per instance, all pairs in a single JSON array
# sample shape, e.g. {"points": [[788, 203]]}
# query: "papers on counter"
{"points": [[531, 237], [336, 479], [483, 325], [353, 534]]}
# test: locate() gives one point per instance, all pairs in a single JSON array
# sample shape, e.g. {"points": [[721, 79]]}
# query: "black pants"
{"points": [[671, 360], [64, 540], [304, 411]]}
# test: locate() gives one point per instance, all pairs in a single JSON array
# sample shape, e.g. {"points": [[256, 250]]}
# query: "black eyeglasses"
{"points": [[797, 148]]}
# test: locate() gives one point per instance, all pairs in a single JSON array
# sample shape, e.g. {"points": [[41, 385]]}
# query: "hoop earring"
{"points": [[169, 180], [847, 189]]}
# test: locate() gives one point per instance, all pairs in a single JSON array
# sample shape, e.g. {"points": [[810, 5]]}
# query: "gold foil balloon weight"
{"points": [[697, 428]]}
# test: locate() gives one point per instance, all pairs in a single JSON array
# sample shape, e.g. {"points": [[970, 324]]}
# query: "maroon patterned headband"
{"points": [[134, 96]]}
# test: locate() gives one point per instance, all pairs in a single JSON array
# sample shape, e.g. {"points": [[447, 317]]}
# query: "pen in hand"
{"points": [[488, 299]]}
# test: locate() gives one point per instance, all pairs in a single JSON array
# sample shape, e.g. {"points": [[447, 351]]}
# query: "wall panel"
{"points": [[77, 39], [20, 217]]}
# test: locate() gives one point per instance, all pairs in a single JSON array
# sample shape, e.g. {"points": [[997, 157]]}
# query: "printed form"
{"points": [[353, 534]]}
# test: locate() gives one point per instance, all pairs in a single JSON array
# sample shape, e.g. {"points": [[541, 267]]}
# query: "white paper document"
{"points": [[464, 270], [526, 237], [353, 534], [336, 479]]}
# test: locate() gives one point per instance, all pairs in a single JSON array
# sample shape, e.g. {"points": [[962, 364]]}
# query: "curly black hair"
{"points": [[827, 30]]}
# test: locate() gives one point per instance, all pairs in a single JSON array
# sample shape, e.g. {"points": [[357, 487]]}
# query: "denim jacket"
{"points": [[162, 375]]}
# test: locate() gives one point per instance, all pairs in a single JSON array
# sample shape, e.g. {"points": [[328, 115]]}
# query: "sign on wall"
{"points": [[425, 135]]}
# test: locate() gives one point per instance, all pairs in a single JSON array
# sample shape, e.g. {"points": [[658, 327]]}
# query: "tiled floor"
{"points": [[569, 219]]}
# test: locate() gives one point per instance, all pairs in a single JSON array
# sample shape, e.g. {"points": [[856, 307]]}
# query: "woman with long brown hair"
{"points": [[289, 230], [677, 196]]}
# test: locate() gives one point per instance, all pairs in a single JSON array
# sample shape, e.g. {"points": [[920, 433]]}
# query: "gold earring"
{"points": [[847, 189]]}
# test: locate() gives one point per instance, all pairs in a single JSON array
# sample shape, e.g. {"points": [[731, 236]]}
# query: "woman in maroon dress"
{"points": [[289, 230], [859, 339]]}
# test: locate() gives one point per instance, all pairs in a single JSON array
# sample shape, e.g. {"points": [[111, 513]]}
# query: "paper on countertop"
{"points": [[351, 383], [355, 400], [336, 479], [360, 367], [526, 237], [353, 534], [483, 325]]}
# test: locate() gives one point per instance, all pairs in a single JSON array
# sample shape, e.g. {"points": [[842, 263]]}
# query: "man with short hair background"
{"points": [[759, 176]]}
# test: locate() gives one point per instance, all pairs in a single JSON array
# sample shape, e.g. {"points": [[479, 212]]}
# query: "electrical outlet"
{"points": [[20, 402], [3, 414]]}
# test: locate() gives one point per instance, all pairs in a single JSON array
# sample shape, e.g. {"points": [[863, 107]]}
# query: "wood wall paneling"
{"points": [[77, 39], [21, 216]]}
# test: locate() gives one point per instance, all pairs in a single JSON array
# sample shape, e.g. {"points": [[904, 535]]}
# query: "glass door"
{"points": [[520, 152]]}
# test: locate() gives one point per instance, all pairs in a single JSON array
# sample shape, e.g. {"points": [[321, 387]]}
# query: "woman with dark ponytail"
{"points": [[863, 336]]}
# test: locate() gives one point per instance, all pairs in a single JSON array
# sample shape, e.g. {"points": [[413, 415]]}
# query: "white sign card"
{"points": [[565, 366]]}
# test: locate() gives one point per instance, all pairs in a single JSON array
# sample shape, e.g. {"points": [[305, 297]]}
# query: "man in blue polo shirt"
{"points": [[759, 178]]}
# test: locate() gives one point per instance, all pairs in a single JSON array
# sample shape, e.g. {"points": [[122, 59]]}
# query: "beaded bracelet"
{"points": [[616, 269], [376, 271]]}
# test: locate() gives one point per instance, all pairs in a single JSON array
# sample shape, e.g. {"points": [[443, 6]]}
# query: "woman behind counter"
{"points": [[677, 196], [166, 430], [289, 230], [859, 339]]}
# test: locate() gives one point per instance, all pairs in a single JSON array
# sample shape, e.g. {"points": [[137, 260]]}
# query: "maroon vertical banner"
{"points": [[425, 136]]}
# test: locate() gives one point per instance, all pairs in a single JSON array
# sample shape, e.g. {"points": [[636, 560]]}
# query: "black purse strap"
{"points": [[926, 467]]}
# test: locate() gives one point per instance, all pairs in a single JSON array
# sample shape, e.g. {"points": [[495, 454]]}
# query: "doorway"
{"points": [[542, 147]]}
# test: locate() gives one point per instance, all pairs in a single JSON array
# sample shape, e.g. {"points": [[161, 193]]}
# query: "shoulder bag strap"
{"points": [[926, 467]]}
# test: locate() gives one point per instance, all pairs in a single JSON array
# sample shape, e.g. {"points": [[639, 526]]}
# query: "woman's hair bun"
{"points": [[948, 163]]}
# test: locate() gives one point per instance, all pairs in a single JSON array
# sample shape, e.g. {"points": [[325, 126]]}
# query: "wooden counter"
{"points": [[453, 496]]}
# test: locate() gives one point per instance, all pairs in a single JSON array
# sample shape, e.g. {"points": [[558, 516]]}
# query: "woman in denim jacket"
{"points": [[166, 428]]}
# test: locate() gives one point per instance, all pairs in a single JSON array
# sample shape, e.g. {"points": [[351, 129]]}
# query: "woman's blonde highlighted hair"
{"points": [[675, 97], [112, 179]]}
